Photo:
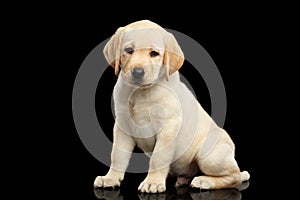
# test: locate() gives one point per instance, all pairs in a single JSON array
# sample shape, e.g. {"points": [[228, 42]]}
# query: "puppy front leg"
{"points": [[123, 145], [160, 161]]}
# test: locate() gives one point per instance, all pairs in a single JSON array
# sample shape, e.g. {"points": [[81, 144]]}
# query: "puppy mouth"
{"points": [[138, 82], [141, 83], [146, 85]]}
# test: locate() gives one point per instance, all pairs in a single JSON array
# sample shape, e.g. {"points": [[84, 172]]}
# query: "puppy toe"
{"points": [[161, 188], [98, 182], [153, 188], [144, 187]]}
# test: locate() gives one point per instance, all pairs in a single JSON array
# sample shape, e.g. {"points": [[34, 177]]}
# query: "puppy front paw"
{"points": [[152, 187], [105, 181]]}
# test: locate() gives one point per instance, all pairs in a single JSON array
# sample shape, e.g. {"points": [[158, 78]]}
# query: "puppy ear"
{"points": [[112, 49], [173, 55]]}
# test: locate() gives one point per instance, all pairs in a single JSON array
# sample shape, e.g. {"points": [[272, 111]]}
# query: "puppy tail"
{"points": [[245, 176]]}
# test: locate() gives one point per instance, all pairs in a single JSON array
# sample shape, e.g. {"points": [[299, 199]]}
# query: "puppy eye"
{"points": [[129, 50], [154, 53]]}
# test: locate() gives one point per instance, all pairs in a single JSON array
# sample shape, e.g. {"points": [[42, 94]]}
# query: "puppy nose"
{"points": [[137, 73]]}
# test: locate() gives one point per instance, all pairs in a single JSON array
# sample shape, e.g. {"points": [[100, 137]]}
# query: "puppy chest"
{"points": [[150, 110], [145, 111], [147, 119]]}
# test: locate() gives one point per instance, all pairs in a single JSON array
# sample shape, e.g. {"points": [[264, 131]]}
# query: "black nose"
{"points": [[137, 73]]}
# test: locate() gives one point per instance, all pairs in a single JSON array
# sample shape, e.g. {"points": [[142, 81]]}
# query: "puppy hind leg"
{"points": [[231, 180], [220, 169], [217, 182]]}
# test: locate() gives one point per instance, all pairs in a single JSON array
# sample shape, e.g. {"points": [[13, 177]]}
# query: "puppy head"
{"points": [[144, 51]]}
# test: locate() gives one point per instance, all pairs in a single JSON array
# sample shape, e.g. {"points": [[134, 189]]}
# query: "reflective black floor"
{"points": [[174, 193]]}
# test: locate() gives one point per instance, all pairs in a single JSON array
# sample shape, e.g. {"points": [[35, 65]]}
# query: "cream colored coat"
{"points": [[161, 116]]}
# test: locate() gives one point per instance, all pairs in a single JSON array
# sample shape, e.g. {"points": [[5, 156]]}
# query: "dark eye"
{"points": [[129, 50], [154, 53]]}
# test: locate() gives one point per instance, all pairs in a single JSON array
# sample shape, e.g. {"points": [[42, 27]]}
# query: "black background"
{"points": [[239, 41]]}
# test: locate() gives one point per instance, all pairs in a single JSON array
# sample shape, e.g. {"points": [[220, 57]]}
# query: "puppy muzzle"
{"points": [[137, 74]]}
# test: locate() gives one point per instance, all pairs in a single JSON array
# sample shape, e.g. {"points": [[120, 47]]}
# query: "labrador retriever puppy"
{"points": [[158, 113]]}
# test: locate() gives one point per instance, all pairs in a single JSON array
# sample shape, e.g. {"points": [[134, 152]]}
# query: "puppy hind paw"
{"points": [[198, 182]]}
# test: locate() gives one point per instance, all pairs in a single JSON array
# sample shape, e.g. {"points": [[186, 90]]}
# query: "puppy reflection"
{"points": [[184, 194], [226, 194], [108, 194], [179, 193]]}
